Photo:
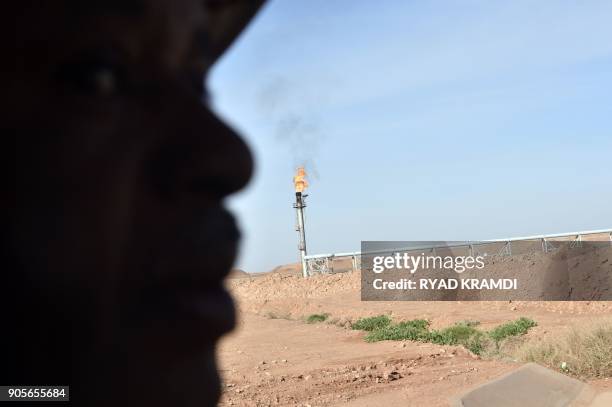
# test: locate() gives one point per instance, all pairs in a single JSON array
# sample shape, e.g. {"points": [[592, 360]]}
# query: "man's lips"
{"points": [[185, 316], [185, 291], [209, 312], [198, 252]]}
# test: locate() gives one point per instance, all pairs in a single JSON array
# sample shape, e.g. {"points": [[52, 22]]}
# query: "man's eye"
{"points": [[92, 75], [104, 80]]}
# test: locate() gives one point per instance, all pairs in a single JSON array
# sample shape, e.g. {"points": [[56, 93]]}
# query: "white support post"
{"points": [[299, 205]]}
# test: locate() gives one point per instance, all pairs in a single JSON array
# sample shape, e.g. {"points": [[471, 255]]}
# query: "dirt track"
{"points": [[281, 362], [274, 358]]}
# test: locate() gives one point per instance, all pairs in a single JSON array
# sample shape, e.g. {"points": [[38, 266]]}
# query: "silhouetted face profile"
{"points": [[115, 241]]}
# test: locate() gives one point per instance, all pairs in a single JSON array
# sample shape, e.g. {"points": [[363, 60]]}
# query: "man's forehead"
{"points": [[74, 11], [220, 20], [63, 14], [135, 8]]}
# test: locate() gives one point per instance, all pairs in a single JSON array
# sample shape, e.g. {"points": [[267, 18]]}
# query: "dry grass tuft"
{"points": [[584, 352]]}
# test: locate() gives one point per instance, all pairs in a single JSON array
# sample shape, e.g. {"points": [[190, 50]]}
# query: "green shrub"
{"points": [[421, 324], [468, 322], [453, 335], [515, 328], [462, 333], [409, 330], [476, 343], [315, 318], [372, 323]]}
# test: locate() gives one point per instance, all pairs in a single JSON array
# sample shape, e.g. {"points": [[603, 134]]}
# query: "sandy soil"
{"points": [[274, 358], [282, 362]]}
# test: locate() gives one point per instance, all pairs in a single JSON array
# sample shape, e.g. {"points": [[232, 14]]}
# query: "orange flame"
{"points": [[300, 180]]}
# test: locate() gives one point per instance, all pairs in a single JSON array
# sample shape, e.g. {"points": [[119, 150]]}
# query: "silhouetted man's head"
{"points": [[114, 237]]}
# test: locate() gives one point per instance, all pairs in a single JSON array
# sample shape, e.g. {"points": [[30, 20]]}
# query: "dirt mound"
{"points": [[283, 293], [577, 274], [565, 274], [237, 273], [293, 269]]}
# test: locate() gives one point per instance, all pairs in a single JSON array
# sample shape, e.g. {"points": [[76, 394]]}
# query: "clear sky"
{"points": [[442, 120]]}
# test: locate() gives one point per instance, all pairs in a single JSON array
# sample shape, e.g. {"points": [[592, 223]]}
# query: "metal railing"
{"points": [[324, 263]]}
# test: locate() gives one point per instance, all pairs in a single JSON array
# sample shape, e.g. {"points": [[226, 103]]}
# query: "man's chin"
{"points": [[159, 381]]}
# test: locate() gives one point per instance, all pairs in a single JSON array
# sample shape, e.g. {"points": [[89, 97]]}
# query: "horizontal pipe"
{"points": [[587, 232], [467, 243]]}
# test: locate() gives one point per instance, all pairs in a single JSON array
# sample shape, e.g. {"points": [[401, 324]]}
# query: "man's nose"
{"points": [[200, 156]]}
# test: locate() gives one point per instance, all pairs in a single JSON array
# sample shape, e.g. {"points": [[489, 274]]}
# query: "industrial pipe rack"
{"points": [[323, 263]]}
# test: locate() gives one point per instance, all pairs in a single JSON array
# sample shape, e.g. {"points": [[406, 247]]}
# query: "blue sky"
{"points": [[443, 120]]}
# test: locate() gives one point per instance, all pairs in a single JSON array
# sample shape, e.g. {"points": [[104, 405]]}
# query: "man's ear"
{"points": [[227, 19]]}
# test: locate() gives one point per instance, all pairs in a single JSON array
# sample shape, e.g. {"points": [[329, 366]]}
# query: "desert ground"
{"points": [[275, 358]]}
